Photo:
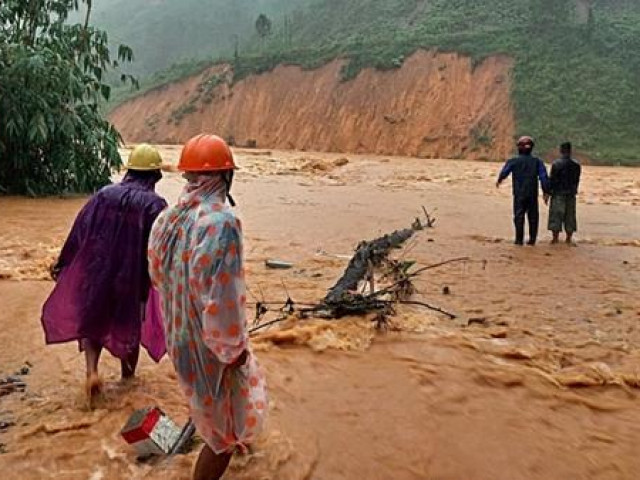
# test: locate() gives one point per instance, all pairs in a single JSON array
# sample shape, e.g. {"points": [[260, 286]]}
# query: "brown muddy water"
{"points": [[538, 377]]}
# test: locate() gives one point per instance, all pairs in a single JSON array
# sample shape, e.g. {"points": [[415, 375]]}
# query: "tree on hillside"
{"points": [[591, 18], [263, 27], [550, 14], [287, 31], [53, 137]]}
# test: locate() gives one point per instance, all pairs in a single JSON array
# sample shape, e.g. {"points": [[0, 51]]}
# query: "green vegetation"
{"points": [[207, 89], [174, 73], [204, 94], [481, 137], [53, 138], [182, 111], [576, 61]]}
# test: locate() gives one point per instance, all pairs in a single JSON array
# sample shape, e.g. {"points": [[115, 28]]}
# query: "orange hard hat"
{"points": [[206, 153], [526, 140]]}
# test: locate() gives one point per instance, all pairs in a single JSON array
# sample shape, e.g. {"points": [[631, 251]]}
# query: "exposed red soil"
{"points": [[437, 105]]}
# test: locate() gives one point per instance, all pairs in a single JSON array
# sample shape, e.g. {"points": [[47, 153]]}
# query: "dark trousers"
{"points": [[562, 213], [526, 206]]}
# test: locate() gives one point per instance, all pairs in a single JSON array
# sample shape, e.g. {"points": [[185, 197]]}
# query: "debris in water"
{"points": [[477, 321], [4, 426], [368, 255], [347, 297], [431, 220], [152, 432], [11, 385], [278, 264]]}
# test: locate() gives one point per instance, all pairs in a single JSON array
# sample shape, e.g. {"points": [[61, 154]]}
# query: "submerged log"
{"points": [[367, 253]]}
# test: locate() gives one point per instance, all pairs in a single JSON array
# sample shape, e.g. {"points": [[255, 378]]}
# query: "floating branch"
{"points": [[344, 299]]}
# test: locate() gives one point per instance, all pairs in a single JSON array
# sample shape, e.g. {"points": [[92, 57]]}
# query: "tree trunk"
{"points": [[88, 16], [33, 21], [368, 252], [86, 24]]}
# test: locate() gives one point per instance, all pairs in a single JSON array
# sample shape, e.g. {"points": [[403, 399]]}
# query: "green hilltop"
{"points": [[577, 62]]}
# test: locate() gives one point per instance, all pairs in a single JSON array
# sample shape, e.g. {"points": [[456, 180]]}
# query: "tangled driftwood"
{"points": [[369, 255], [344, 299]]}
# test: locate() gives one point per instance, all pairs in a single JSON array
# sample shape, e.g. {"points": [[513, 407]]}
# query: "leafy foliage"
{"points": [[53, 138]]}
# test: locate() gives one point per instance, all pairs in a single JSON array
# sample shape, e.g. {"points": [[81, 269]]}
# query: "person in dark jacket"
{"points": [[564, 180], [526, 170]]}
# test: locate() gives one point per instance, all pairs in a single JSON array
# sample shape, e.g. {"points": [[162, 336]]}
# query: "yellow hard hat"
{"points": [[145, 157]]}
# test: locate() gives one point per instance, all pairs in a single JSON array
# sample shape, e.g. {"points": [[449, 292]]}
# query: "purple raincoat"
{"points": [[104, 283]]}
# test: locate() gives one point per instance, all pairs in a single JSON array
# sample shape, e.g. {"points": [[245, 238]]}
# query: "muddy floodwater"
{"points": [[538, 377]]}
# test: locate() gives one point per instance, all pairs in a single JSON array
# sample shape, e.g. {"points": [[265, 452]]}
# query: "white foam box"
{"points": [[151, 432]]}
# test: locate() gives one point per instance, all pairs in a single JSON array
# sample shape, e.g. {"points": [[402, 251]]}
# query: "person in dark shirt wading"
{"points": [[564, 180], [526, 170]]}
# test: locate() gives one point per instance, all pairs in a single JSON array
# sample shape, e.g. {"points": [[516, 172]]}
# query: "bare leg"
{"points": [[92, 351], [211, 466], [569, 238], [556, 238], [129, 364]]}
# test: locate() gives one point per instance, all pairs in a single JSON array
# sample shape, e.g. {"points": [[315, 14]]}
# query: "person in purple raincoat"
{"points": [[103, 296]]}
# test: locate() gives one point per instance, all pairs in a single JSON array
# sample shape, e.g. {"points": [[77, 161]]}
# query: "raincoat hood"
{"points": [[207, 189]]}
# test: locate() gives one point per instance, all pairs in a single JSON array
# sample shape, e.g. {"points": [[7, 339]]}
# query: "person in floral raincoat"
{"points": [[195, 262]]}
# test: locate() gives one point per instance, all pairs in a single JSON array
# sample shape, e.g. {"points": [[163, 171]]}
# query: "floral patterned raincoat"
{"points": [[195, 261]]}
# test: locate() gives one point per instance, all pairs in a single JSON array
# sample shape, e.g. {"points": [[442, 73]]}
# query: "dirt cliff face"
{"points": [[435, 105]]}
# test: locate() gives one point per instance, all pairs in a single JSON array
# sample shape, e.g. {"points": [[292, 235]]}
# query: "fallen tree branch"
{"points": [[367, 253], [262, 326], [406, 279], [452, 316], [441, 264], [343, 299], [431, 221]]}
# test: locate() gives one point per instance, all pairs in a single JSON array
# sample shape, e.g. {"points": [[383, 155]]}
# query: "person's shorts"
{"points": [[562, 214]]}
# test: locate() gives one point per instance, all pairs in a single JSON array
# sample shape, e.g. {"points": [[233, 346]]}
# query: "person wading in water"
{"points": [[103, 296], [195, 257], [565, 181], [526, 170]]}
